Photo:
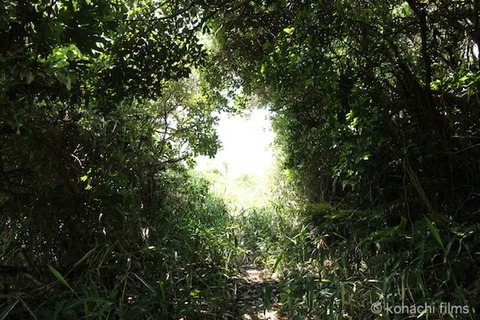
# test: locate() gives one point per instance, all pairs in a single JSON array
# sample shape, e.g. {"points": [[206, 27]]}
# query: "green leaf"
{"points": [[434, 232], [71, 55], [68, 83], [7, 310], [267, 295], [146, 284], [60, 278], [29, 77], [277, 262], [195, 294]]}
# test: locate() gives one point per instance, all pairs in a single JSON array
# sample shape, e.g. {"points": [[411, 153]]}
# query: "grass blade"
{"points": [[60, 278], [7, 310], [434, 232], [145, 283], [277, 262]]}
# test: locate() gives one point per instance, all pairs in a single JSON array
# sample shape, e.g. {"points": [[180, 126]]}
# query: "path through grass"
{"points": [[257, 276]]}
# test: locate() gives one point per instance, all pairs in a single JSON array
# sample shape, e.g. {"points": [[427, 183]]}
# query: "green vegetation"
{"points": [[239, 192], [375, 203]]}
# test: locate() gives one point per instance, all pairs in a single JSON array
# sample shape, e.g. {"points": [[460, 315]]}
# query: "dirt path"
{"points": [[256, 290]]}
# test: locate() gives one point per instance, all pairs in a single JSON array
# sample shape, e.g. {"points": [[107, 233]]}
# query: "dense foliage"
{"points": [[99, 114], [373, 100], [104, 103], [377, 118]]}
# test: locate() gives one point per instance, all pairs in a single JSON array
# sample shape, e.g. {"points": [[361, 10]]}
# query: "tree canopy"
{"points": [[375, 102], [91, 110]]}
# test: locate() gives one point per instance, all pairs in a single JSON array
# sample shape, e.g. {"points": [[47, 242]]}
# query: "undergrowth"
{"points": [[372, 264], [178, 266], [341, 264], [331, 264]]}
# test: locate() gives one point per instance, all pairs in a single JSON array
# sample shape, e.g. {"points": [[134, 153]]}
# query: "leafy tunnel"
{"points": [[370, 209]]}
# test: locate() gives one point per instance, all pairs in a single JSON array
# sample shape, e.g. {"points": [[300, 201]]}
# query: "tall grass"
{"points": [[341, 264], [177, 267], [332, 264]]}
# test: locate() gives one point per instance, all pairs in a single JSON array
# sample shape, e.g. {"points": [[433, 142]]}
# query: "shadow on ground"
{"points": [[257, 294]]}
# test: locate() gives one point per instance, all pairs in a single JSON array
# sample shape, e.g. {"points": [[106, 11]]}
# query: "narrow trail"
{"points": [[257, 286], [256, 292]]}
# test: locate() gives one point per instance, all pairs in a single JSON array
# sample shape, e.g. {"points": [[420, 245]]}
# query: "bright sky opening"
{"points": [[247, 154]]}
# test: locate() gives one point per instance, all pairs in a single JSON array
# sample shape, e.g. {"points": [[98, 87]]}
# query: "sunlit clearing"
{"points": [[240, 172]]}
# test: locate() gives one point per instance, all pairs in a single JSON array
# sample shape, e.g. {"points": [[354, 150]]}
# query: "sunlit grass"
{"points": [[241, 191], [241, 172]]}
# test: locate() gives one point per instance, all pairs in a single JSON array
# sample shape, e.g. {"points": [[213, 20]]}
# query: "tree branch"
{"points": [[422, 19]]}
